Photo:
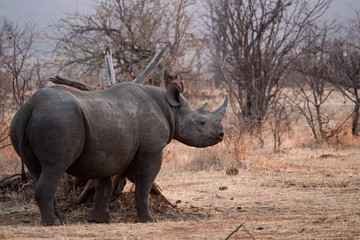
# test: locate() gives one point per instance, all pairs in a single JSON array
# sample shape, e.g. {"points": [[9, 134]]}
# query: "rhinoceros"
{"points": [[98, 134]]}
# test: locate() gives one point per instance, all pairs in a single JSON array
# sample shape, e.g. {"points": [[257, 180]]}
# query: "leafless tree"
{"points": [[310, 79], [16, 71], [254, 43], [16, 64], [4, 128], [280, 118], [4, 132], [344, 68], [133, 30]]}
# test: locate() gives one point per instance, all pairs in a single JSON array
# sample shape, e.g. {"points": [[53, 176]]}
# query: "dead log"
{"points": [[150, 68], [156, 191], [70, 82], [119, 183], [8, 180], [85, 192], [13, 182], [109, 69]]}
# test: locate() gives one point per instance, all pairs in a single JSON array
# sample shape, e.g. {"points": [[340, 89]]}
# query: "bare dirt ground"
{"points": [[297, 194]]}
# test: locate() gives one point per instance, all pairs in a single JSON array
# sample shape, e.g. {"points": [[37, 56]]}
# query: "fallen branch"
{"points": [[85, 192], [6, 145], [156, 191], [70, 82], [119, 183], [12, 182], [7, 180], [237, 229]]}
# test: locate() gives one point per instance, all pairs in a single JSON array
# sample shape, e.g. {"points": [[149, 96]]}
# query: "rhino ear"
{"points": [[173, 95]]}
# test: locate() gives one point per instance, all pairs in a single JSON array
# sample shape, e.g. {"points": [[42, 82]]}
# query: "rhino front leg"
{"points": [[144, 178], [103, 190]]}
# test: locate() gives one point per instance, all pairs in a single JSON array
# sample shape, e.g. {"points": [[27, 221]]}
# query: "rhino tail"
{"points": [[17, 133]]}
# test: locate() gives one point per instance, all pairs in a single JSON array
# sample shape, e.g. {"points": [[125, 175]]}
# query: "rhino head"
{"points": [[195, 127]]}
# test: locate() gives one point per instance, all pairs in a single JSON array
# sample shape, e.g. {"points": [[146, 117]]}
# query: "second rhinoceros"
{"points": [[98, 134]]}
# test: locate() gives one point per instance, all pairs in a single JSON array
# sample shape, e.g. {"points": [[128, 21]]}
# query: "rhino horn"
{"points": [[221, 110], [204, 108]]}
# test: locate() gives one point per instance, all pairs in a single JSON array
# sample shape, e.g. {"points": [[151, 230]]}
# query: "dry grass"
{"points": [[298, 194], [9, 161]]}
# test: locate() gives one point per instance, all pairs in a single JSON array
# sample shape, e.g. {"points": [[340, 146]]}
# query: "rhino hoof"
{"points": [[97, 218], [146, 220], [50, 222]]}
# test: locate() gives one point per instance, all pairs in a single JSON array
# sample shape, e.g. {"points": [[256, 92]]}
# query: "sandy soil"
{"points": [[298, 194]]}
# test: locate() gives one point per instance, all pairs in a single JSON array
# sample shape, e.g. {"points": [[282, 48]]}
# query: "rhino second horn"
{"points": [[221, 110], [204, 108]]}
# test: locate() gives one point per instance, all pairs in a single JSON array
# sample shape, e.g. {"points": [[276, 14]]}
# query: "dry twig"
{"points": [[237, 229]]}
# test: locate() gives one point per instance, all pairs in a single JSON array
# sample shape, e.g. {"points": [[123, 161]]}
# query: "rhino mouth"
{"points": [[218, 138], [215, 139], [212, 140]]}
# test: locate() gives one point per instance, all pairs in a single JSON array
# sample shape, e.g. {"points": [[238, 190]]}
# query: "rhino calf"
{"points": [[98, 134]]}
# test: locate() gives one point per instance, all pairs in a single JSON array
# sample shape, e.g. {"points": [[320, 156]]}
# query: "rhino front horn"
{"points": [[221, 110]]}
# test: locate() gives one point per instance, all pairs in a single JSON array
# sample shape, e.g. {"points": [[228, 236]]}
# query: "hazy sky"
{"points": [[343, 9], [44, 12]]}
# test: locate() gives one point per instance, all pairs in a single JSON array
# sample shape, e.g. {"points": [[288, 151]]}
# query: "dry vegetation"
{"points": [[284, 181], [307, 190]]}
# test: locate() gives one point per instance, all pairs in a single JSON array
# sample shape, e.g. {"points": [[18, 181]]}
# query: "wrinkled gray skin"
{"points": [[98, 134]]}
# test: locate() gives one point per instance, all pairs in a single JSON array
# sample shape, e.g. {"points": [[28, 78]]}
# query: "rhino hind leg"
{"points": [[45, 189], [35, 168], [103, 191], [35, 175]]}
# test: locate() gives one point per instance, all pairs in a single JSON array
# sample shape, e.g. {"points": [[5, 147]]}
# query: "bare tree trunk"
{"points": [[354, 128]]}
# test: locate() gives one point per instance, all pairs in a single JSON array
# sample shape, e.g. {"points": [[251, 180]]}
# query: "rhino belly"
{"points": [[100, 164]]}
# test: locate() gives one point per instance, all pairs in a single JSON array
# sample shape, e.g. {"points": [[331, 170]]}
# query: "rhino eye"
{"points": [[202, 123]]}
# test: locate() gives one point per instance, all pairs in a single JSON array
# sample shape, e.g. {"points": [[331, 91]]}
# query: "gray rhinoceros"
{"points": [[98, 134]]}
